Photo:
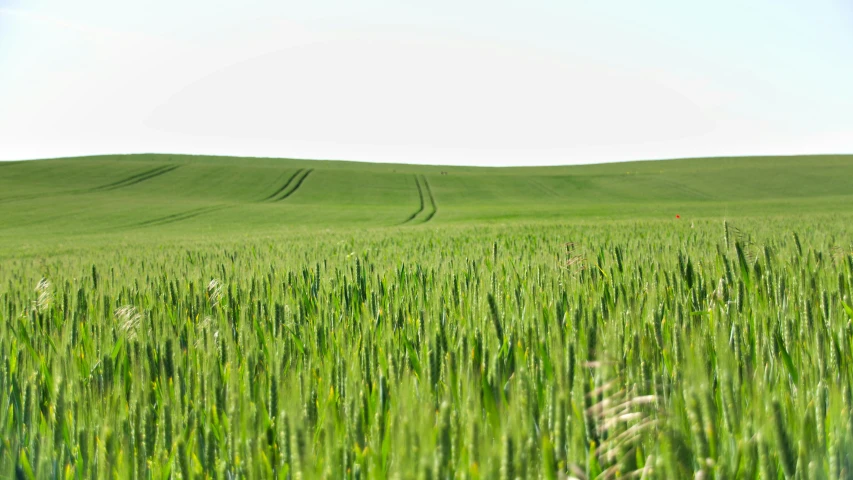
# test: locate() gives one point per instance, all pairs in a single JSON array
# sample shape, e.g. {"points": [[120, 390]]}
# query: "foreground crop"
{"points": [[591, 351]]}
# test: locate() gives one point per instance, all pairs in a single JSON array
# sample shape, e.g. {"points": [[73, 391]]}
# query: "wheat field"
{"points": [[389, 321]]}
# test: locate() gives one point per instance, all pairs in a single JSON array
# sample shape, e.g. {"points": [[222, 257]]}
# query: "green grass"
{"points": [[192, 317], [183, 195]]}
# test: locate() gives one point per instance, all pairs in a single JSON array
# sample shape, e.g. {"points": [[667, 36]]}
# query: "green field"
{"points": [[209, 317], [150, 195]]}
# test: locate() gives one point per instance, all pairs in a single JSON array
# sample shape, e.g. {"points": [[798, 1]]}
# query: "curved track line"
{"points": [[296, 187], [422, 185], [284, 187], [178, 217], [431, 200], [26, 197], [131, 178], [125, 182], [421, 196], [139, 178]]}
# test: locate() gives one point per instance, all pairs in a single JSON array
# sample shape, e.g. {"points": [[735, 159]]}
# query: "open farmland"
{"points": [[193, 317]]}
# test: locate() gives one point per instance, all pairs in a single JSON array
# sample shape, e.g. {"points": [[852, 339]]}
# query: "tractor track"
{"points": [[135, 179], [179, 217], [423, 185], [421, 197], [431, 200], [125, 182], [296, 187], [284, 187]]}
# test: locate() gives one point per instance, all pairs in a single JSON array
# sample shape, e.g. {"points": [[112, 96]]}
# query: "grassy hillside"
{"points": [[138, 196], [189, 317]]}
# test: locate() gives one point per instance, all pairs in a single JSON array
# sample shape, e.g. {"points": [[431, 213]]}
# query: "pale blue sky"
{"points": [[445, 81]]}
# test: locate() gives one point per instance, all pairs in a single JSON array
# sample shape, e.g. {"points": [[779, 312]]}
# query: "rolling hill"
{"points": [[164, 195]]}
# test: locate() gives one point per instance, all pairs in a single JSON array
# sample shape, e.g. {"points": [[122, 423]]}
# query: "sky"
{"points": [[469, 82]]}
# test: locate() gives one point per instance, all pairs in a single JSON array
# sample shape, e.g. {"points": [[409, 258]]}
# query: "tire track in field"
{"points": [[138, 178], [685, 189], [538, 183], [431, 200], [125, 182], [430, 207], [284, 187], [153, 171], [178, 217], [421, 197], [295, 187], [24, 197]]}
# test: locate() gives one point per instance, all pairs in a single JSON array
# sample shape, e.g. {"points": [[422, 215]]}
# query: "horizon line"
{"points": [[602, 162]]}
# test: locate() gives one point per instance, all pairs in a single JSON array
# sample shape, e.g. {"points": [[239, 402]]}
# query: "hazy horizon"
{"points": [[426, 164]]}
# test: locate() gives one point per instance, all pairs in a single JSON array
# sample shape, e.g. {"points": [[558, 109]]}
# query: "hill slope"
{"points": [[166, 194]]}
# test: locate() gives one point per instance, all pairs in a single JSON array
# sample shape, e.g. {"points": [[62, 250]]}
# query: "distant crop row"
{"points": [[655, 350]]}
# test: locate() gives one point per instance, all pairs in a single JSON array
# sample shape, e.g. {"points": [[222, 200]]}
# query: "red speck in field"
{"points": [[678, 216]]}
